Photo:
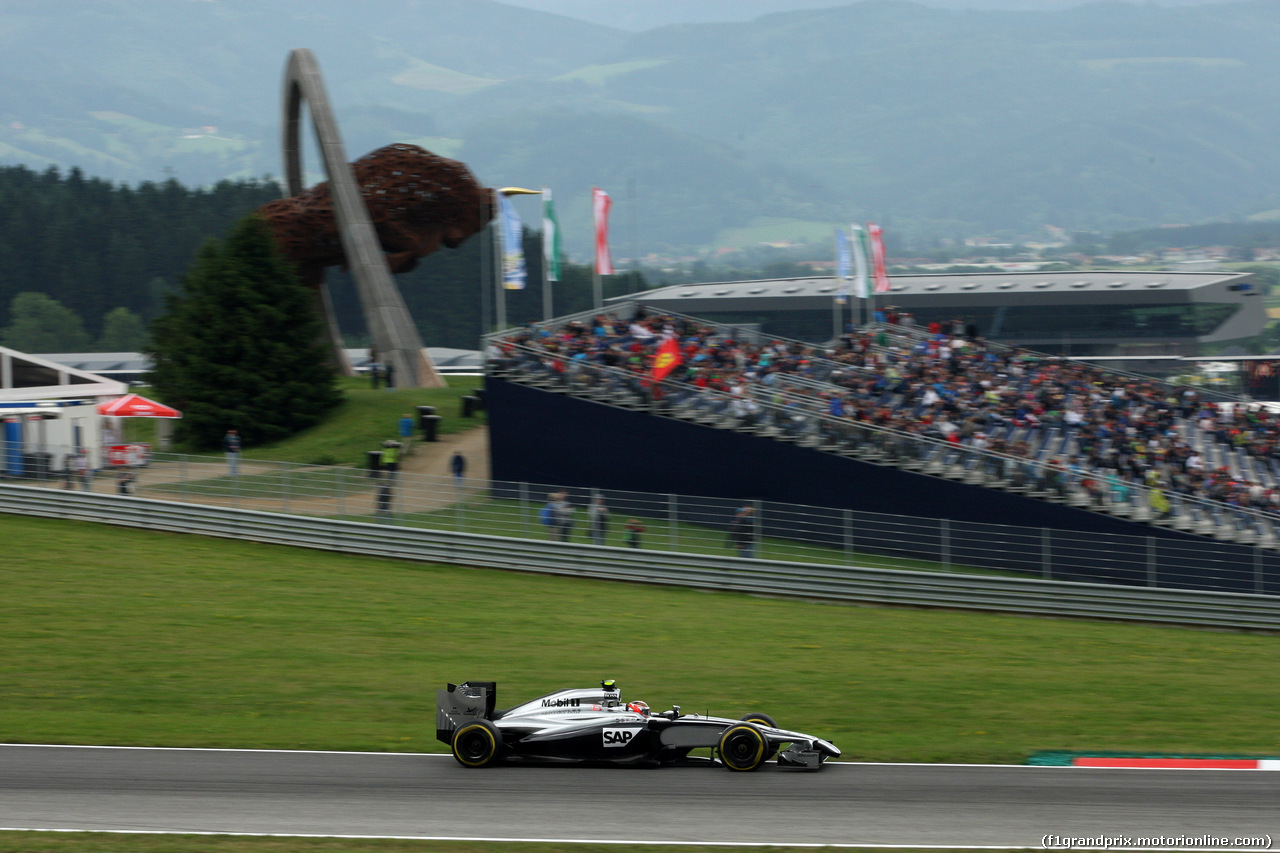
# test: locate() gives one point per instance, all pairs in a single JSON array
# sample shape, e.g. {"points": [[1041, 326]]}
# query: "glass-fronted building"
{"points": [[1073, 313]]}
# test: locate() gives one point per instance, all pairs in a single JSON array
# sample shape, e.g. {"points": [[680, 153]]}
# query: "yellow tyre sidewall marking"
{"points": [[465, 730], [760, 745]]}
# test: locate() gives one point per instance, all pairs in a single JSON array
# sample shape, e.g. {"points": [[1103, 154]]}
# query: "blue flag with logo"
{"points": [[512, 235]]}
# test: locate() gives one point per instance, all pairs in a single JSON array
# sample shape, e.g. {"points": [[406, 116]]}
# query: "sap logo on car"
{"points": [[619, 737], [561, 703]]}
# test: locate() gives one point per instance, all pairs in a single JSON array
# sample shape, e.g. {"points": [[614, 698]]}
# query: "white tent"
{"points": [[48, 409]]}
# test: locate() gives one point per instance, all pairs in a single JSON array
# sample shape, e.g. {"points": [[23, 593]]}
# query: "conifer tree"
{"points": [[241, 347]]}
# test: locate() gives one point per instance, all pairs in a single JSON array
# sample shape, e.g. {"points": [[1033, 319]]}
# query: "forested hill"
{"points": [[940, 123], [94, 246]]}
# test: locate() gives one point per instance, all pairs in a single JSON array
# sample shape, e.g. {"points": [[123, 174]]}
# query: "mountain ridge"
{"points": [[945, 123]]}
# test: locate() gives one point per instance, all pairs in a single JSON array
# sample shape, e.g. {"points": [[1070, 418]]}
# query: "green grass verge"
{"points": [[120, 636], [496, 517]]}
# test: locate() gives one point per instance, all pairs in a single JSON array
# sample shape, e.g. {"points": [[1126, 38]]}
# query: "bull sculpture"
{"points": [[417, 201]]}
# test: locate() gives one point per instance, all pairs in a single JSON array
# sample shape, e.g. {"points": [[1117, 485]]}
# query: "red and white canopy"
{"points": [[134, 406]]}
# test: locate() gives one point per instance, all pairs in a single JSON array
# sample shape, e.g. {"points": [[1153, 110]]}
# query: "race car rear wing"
{"points": [[461, 702]]}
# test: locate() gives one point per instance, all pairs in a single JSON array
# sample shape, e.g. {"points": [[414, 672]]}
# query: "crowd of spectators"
{"points": [[1079, 429]]}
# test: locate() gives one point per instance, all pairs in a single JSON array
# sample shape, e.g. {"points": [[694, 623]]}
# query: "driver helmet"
{"points": [[641, 708]]}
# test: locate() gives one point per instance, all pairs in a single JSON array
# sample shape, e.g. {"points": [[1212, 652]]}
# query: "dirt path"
{"points": [[424, 484], [432, 457]]}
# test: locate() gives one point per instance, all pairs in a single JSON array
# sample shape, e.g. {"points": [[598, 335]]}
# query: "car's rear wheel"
{"points": [[743, 747], [477, 744]]}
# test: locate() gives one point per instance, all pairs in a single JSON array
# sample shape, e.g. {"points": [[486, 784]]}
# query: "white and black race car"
{"points": [[595, 725]]}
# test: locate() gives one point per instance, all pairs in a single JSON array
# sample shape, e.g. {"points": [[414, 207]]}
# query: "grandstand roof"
{"points": [[1093, 312], [956, 284]]}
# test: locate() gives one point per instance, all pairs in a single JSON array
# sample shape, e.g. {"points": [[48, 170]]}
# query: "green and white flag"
{"points": [[550, 236]]}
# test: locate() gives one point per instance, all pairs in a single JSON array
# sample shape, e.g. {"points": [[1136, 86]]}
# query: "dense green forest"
{"points": [[85, 265], [94, 247]]}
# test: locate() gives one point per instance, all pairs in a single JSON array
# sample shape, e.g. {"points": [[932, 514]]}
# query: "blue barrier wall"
{"points": [[540, 436]]}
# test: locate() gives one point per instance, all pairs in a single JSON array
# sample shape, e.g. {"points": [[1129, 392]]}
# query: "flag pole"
{"points": [[546, 277], [550, 258], [835, 299], [600, 205], [484, 280], [500, 298], [546, 290]]}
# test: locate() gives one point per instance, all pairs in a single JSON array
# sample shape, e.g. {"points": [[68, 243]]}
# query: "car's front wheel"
{"points": [[477, 744], [743, 747], [762, 719]]}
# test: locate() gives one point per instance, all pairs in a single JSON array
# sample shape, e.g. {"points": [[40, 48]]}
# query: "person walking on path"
{"points": [[742, 532], [405, 427], [457, 467], [231, 446]]}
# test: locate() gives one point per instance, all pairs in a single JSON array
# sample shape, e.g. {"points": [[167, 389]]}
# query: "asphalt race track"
{"points": [[431, 796]]}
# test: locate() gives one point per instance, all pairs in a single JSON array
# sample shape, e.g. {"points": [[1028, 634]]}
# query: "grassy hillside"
{"points": [[365, 418]]}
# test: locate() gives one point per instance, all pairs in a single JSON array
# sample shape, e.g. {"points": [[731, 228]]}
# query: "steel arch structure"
{"points": [[390, 325]]}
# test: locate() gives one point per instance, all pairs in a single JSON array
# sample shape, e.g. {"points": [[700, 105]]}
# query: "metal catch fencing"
{"points": [[684, 524]]}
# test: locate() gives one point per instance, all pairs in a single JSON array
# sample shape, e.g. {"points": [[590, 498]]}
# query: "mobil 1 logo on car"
{"points": [[619, 737]]}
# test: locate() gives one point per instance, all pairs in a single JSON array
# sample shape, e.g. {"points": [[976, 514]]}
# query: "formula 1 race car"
{"points": [[595, 725]]}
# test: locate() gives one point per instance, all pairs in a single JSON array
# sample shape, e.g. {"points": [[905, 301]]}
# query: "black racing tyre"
{"points": [[762, 719], [759, 718], [477, 744], [743, 747]]}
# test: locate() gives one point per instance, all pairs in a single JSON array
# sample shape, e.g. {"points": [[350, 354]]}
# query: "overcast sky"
{"points": [[646, 14]]}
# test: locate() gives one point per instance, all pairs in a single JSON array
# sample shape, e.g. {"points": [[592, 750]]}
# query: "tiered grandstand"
{"points": [[887, 419]]}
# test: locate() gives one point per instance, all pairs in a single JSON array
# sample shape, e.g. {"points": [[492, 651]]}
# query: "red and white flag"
{"points": [[600, 205], [877, 256]]}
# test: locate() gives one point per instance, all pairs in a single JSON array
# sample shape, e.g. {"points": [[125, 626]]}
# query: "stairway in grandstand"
{"points": [[793, 408]]}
